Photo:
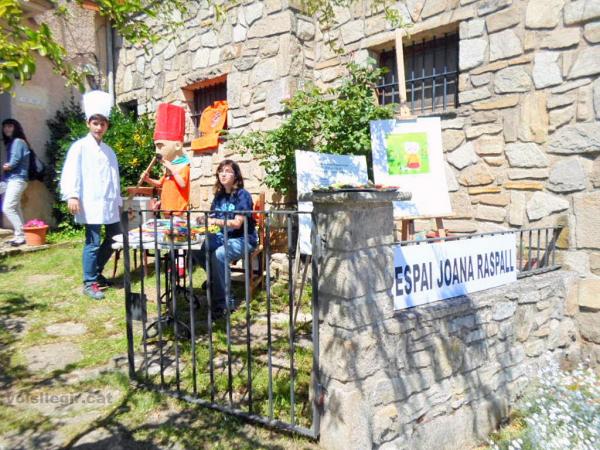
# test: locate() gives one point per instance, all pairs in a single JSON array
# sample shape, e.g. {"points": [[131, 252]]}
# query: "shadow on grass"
{"points": [[13, 309], [15, 304], [5, 268], [194, 427], [31, 433]]}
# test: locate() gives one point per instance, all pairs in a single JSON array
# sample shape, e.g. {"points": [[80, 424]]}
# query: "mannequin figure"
{"points": [[168, 139]]}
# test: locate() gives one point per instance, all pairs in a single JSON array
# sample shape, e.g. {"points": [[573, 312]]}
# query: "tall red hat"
{"points": [[170, 123]]}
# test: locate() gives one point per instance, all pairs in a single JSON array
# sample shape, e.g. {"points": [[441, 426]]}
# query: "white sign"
{"points": [[430, 272], [31, 96], [408, 154], [322, 169]]}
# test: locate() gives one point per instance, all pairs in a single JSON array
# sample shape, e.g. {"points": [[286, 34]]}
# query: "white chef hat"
{"points": [[97, 102]]}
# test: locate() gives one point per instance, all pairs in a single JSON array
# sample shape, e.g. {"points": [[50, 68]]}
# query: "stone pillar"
{"points": [[354, 254]]}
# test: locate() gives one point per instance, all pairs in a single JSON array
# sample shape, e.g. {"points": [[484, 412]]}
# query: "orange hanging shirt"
{"points": [[212, 122], [173, 197]]}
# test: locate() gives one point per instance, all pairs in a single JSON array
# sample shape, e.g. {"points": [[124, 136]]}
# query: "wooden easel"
{"points": [[408, 227], [408, 224]]}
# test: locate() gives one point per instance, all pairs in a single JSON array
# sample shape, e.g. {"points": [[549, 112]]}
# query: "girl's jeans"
{"points": [[219, 263], [12, 206]]}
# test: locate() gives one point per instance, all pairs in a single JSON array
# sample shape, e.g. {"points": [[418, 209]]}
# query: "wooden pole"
{"points": [[141, 180], [404, 109]]}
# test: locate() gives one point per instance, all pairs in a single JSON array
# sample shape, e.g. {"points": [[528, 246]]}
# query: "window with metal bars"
{"points": [[205, 96], [430, 74], [130, 108]]}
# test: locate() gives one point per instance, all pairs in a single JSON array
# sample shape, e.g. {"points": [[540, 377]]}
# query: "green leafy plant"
{"points": [[130, 137], [325, 10], [68, 120], [334, 120], [133, 142], [21, 42]]}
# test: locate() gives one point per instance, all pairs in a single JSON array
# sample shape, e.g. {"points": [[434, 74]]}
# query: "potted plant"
{"points": [[35, 232]]}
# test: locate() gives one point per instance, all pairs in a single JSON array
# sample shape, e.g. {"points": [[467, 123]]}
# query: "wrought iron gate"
{"points": [[260, 361]]}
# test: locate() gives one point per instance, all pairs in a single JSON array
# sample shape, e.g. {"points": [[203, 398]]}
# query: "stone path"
{"points": [[53, 399], [103, 438], [6, 249], [56, 406], [66, 329], [15, 326], [49, 357], [63, 410]]}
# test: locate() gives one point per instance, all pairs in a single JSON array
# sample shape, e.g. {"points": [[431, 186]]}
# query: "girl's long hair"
{"points": [[17, 133], [239, 180]]}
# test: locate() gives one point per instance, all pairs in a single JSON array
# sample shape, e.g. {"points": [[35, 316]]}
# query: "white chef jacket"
{"points": [[91, 174]]}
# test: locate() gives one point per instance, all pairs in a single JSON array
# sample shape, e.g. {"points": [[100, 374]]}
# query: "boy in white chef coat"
{"points": [[91, 186]]}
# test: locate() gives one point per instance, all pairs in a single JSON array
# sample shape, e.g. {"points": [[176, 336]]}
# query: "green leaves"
{"points": [[324, 10], [133, 143], [140, 22], [328, 121], [20, 41]]}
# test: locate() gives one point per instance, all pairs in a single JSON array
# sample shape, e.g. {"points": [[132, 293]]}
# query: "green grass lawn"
{"points": [[41, 289]]}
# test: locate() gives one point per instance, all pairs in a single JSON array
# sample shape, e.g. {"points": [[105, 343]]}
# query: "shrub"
{"points": [[334, 120], [131, 139]]}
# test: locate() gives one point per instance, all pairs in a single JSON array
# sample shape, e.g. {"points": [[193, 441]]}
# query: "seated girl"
{"points": [[230, 195]]}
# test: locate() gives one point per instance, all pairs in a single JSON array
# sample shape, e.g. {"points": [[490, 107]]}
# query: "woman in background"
{"points": [[16, 171]]}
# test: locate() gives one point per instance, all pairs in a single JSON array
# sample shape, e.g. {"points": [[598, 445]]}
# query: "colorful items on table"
{"points": [[167, 231], [356, 187]]}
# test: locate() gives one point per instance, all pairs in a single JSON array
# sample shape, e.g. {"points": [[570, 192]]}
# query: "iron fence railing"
{"points": [[536, 247], [260, 363]]}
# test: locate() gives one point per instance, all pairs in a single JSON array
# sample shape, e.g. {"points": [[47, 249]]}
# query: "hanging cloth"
{"points": [[212, 121]]}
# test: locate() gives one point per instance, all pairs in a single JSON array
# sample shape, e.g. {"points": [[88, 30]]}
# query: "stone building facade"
{"points": [[83, 35], [264, 50], [521, 144]]}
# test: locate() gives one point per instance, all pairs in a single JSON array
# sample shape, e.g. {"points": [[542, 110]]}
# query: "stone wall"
{"points": [[264, 48], [521, 149], [437, 376]]}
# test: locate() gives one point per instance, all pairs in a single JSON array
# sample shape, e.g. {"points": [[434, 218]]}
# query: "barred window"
{"points": [[388, 89], [205, 96], [130, 108], [430, 75]]}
